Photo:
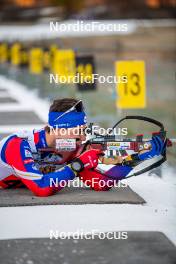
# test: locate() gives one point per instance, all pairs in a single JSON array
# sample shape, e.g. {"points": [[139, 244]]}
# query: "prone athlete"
{"points": [[21, 161]]}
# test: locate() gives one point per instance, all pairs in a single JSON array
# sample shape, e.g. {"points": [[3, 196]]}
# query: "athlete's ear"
{"points": [[47, 128]]}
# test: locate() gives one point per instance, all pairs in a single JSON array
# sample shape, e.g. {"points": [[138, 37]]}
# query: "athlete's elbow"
{"points": [[43, 192]]}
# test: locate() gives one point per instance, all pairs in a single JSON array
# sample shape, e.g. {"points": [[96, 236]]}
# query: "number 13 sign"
{"points": [[131, 91]]}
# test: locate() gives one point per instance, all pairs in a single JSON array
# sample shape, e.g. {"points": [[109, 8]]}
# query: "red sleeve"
{"points": [[19, 156], [95, 180]]}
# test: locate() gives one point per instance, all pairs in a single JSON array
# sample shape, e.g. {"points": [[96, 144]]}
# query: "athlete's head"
{"points": [[66, 120]]}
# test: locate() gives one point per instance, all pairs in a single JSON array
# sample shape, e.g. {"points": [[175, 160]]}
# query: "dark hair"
{"points": [[62, 105]]}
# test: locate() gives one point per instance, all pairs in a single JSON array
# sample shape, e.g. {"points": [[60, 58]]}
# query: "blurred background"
{"points": [[151, 37], [37, 10]]}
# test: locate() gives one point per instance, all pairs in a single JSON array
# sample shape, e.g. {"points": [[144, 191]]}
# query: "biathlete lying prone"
{"points": [[20, 153]]}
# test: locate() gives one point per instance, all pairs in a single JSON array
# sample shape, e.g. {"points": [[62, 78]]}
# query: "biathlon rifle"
{"points": [[114, 146]]}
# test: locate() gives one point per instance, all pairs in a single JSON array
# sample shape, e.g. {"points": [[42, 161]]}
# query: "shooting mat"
{"points": [[139, 247], [6, 99], [19, 118], [72, 195]]}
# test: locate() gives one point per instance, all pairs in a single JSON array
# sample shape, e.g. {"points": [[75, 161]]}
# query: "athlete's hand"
{"points": [[90, 158], [158, 147]]}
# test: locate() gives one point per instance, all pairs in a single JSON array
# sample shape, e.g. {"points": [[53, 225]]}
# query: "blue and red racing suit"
{"points": [[18, 166], [19, 154]]}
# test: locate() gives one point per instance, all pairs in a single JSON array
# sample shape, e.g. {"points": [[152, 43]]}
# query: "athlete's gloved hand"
{"points": [[87, 160], [158, 147]]}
